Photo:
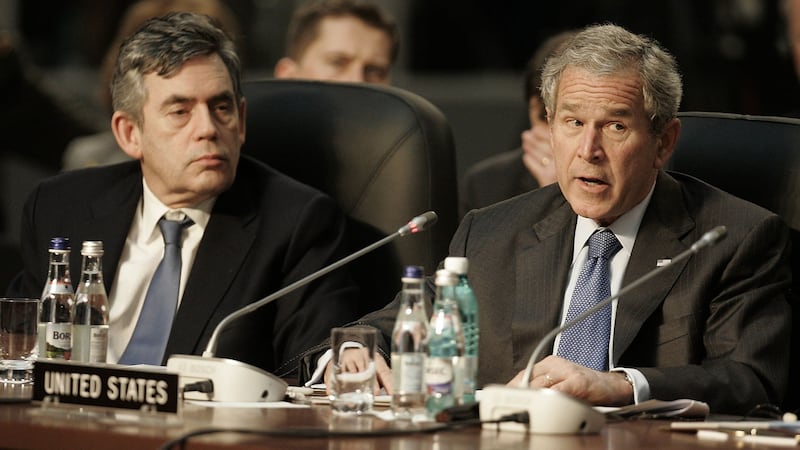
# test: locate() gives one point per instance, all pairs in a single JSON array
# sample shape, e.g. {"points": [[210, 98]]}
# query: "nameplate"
{"points": [[111, 385]]}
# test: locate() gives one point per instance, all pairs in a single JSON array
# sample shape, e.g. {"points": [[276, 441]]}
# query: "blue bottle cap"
{"points": [[59, 243], [413, 272]]}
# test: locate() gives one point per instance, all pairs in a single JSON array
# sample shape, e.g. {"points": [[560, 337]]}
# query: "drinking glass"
{"points": [[18, 344], [353, 369]]}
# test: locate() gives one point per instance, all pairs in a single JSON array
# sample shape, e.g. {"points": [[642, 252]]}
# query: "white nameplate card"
{"points": [[111, 385]]}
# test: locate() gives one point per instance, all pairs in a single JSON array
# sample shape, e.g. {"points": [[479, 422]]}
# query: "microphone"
{"points": [[247, 383], [552, 412]]}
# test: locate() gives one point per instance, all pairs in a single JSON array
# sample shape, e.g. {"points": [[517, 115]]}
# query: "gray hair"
{"points": [[162, 45], [609, 49]]}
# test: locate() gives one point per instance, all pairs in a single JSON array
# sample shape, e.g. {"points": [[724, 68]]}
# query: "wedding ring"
{"points": [[545, 160], [548, 380]]}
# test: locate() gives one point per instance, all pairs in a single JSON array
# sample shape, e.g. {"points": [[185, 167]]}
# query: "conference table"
{"points": [[37, 425]]}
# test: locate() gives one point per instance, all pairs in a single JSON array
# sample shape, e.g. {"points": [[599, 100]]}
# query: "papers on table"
{"points": [[660, 409]]}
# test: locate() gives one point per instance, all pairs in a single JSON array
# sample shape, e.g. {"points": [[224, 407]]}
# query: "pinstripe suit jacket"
{"points": [[714, 328]]}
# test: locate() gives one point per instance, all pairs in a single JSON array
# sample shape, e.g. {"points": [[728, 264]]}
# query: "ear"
{"points": [[667, 141], [285, 68], [242, 120], [549, 117], [127, 133]]}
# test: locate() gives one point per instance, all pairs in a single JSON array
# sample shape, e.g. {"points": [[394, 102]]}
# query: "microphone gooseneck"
{"points": [[417, 224], [708, 239]]}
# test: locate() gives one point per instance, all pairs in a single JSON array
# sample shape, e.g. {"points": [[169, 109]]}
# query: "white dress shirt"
{"points": [[625, 229], [144, 248]]}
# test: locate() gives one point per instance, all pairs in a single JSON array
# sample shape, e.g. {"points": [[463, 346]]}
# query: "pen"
{"points": [[726, 425], [753, 437]]}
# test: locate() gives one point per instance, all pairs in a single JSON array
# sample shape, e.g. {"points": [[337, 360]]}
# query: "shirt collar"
{"points": [[625, 227], [153, 210]]}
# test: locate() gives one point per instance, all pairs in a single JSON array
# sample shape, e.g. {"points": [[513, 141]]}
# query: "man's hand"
{"points": [[382, 371], [537, 155], [597, 388]]}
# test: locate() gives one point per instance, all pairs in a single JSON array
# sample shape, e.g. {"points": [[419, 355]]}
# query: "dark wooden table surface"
{"points": [[25, 425]]}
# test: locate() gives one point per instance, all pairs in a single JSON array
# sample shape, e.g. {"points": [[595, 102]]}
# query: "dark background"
{"points": [[465, 56], [732, 53]]}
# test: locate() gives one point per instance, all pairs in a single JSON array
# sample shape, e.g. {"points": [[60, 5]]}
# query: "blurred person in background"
{"points": [[340, 40], [791, 14], [525, 168], [791, 17]]}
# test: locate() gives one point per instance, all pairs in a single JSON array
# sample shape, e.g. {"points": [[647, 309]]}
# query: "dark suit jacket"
{"points": [[496, 178], [265, 232], [714, 327]]}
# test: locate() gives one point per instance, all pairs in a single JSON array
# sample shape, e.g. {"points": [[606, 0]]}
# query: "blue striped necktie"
{"points": [[155, 320]]}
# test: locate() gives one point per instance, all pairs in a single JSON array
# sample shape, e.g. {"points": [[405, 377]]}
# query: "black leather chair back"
{"points": [[385, 154], [758, 159]]}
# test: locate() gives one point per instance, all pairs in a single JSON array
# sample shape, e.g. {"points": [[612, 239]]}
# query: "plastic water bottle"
{"points": [[409, 347], [445, 346], [55, 319], [468, 308], [90, 312]]}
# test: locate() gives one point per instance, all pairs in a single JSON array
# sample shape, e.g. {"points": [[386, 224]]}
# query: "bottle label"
{"points": [[89, 343], [98, 346], [58, 340], [408, 370], [439, 376]]}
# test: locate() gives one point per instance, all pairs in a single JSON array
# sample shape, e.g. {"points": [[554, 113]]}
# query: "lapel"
{"points": [[109, 219], [543, 259], [221, 254], [665, 224]]}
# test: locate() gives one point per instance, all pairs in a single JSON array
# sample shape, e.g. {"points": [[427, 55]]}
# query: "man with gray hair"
{"points": [[245, 230], [706, 328], [714, 327]]}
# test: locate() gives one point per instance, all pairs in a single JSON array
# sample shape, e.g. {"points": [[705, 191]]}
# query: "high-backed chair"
{"points": [[385, 154], [758, 159]]}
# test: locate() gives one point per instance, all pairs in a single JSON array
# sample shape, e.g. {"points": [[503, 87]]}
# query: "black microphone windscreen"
{"points": [[419, 223]]}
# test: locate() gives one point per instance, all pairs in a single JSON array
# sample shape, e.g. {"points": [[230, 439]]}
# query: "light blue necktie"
{"points": [[586, 343], [155, 320]]}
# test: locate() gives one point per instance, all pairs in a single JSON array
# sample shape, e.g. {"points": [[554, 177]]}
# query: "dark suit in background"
{"points": [[505, 175], [713, 328], [494, 179], [265, 232]]}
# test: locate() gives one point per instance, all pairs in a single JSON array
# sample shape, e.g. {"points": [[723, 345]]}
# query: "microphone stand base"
{"points": [[549, 411], [233, 381]]}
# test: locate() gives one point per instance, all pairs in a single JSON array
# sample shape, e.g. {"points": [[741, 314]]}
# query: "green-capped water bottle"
{"points": [[445, 346], [468, 308]]}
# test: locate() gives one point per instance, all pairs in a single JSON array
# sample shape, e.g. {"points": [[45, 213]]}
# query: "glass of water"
{"points": [[353, 369], [18, 345]]}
